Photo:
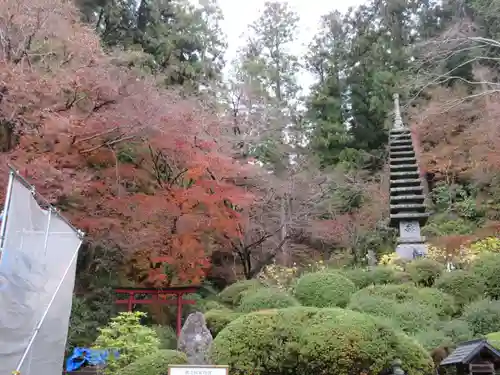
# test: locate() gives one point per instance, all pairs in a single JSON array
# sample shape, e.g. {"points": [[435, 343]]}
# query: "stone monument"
{"points": [[407, 199], [195, 339]]}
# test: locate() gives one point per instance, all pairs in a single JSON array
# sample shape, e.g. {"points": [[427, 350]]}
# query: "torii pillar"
{"points": [[407, 199]]}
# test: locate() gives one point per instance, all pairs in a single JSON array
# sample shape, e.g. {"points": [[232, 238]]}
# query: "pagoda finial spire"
{"points": [[398, 121]]}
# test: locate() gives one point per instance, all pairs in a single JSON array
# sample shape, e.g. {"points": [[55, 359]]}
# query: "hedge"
{"points": [[233, 294], [154, 364], [306, 340], [266, 298], [324, 289], [464, 286]]}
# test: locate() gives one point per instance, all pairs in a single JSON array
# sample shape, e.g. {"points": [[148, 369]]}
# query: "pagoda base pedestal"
{"points": [[411, 250]]}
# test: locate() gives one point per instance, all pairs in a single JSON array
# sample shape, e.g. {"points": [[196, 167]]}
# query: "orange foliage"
{"points": [[134, 166], [459, 138]]}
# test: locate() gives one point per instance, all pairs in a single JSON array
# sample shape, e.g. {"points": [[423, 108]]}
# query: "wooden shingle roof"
{"points": [[466, 351]]}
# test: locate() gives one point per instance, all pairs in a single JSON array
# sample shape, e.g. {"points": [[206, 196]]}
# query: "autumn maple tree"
{"points": [[134, 166]]}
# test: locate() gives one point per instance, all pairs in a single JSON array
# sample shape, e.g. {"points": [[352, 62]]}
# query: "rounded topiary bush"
{"points": [[431, 339], [155, 363], [306, 340], [443, 304], [233, 294], [487, 268], [410, 317], [457, 330], [483, 316], [324, 289], [362, 277], [268, 298], [424, 271], [217, 319], [464, 286]]}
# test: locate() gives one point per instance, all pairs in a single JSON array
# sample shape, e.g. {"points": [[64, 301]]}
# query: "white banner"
{"points": [[37, 277]]}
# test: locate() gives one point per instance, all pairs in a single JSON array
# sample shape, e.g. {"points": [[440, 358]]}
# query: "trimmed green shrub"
{"points": [[217, 319], [324, 289], [233, 294], [268, 298], [362, 277], [424, 271], [464, 286], [443, 304], [414, 317], [457, 330], [483, 316], [487, 268], [306, 340], [154, 364], [408, 316], [432, 339]]}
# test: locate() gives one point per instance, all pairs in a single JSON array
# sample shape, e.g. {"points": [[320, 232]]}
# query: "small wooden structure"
{"points": [[158, 296], [475, 357]]}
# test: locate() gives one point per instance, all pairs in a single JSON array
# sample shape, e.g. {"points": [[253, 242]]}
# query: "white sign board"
{"points": [[197, 370]]}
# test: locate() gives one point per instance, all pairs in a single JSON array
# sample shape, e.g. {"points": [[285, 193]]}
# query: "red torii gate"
{"points": [[178, 291]]}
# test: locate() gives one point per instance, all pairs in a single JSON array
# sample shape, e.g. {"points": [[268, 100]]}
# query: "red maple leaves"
{"points": [[134, 166]]}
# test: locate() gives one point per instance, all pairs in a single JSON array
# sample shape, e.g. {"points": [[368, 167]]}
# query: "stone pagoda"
{"points": [[407, 198]]}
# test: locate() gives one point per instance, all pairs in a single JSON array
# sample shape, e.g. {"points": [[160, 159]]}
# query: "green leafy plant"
{"points": [[309, 340], [266, 298], [131, 339], [465, 286], [233, 294], [155, 364], [324, 289]]}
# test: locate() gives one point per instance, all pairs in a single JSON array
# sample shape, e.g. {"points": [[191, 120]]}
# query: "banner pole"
{"points": [[8, 195], [47, 309]]}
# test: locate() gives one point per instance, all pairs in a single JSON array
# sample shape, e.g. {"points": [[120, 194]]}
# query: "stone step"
{"points": [[399, 142], [408, 153], [410, 197], [406, 181], [398, 160], [404, 166], [408, 207], [407, 147], [403, 174], [403, 189], [398, 131], [394, 137], [410, 215]]}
